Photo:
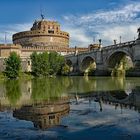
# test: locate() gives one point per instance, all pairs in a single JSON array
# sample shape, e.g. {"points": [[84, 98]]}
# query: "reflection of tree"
{"points": [[54, 87], [48, 88], [13, 91], [81, 84]]}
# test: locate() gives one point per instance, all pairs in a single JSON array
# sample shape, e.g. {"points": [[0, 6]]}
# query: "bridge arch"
{"points": [[119, 56], [118, 95], [87, 65], [124, 98]]}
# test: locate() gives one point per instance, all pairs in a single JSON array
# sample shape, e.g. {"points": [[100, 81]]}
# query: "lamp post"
{"points": [[5, 39], [76, 54], [120, 39]]}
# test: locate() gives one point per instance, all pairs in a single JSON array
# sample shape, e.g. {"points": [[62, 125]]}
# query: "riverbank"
{"points": [[97, 73], [22, 76]]}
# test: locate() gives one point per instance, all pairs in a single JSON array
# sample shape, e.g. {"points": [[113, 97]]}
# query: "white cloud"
{"points": [[78, 37], [107, 24], [127, 33], [12, 29], [123, 14]]}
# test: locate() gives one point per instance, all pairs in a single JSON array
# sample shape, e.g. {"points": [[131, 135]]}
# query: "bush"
{"points": [[13, 64]]}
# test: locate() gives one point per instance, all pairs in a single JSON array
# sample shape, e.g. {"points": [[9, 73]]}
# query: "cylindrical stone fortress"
{"points": [[43, 33]]}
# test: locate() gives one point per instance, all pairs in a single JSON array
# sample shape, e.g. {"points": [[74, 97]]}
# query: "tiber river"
{"points": [[70, 108]]}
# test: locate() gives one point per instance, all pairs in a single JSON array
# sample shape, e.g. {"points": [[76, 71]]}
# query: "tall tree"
{"points": [[13, 65]]}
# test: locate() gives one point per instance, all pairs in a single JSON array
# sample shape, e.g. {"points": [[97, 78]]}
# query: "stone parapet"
{"points": [[5, 50]]}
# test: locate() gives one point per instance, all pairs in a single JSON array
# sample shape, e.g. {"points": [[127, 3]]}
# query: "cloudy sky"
{"points": [[85, 20]]}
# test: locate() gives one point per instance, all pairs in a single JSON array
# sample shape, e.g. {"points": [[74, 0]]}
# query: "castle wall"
{"points": [[5, 50], [46, 40], [25, 64]]}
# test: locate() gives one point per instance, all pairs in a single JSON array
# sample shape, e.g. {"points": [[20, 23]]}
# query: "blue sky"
{"points": [[83, 19]]}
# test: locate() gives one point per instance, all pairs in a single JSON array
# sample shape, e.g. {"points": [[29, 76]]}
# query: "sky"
{"points": [[87, 21]]}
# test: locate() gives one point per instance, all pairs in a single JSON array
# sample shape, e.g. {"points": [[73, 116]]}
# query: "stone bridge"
{"points": [[104, 59]]}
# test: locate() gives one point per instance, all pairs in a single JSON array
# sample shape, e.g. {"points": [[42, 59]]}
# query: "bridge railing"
{"points": [[106, 47], [121, 44], [68, 55]]}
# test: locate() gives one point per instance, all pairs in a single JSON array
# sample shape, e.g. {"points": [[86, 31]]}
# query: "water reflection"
{"points": [[51, 88], [46, 101], [44, 114], [13, 91], [116, 98]]}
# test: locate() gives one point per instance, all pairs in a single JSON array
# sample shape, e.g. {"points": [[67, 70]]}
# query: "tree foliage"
{"points": [[44, 64], [13, 64], [65, 70]]}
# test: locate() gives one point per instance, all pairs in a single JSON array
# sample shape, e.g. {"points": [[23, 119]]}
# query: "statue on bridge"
{"points": [[138, 33]]}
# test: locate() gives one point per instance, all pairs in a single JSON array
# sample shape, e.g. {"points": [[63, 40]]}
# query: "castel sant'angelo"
{"points": [[43, 36]]}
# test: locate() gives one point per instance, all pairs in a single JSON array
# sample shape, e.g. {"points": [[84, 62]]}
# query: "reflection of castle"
{"points": [[44, 114]]}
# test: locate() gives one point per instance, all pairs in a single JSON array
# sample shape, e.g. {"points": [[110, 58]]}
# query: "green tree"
{"points": [[44, 64], [13, 64], [40, 64], [56, 62]]}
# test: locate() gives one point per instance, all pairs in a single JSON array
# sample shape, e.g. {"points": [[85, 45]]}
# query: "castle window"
{"points": [[29, 63], [57, 29], [50, 31], [44, 28], [51, 117]]}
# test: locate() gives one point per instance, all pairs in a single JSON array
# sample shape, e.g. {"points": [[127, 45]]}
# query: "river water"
{"points": [[70, 108]]}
